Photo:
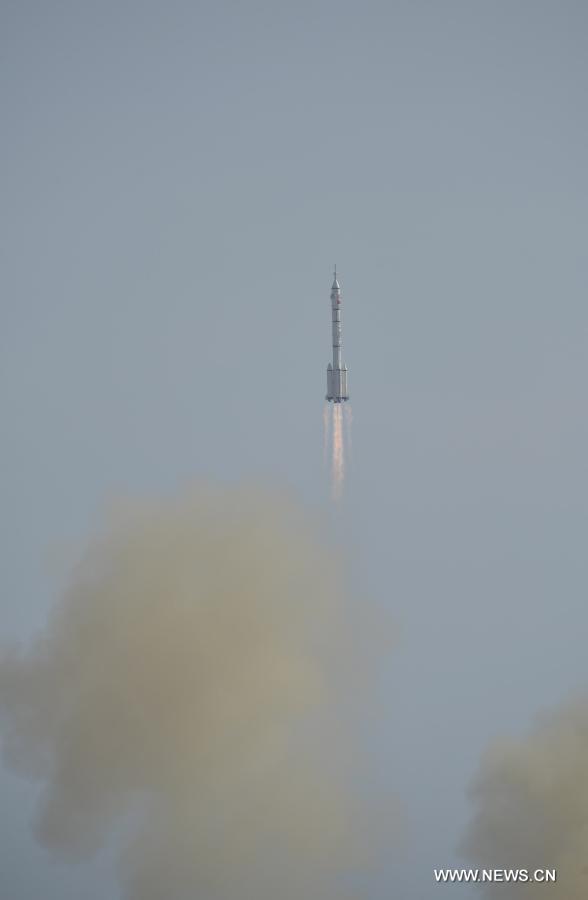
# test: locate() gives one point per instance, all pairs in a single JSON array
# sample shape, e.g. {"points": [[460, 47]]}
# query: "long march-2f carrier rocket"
{"points": [[336, 371]]}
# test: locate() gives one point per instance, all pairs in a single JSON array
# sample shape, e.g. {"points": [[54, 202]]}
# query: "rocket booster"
{"points": [[336, 371]]}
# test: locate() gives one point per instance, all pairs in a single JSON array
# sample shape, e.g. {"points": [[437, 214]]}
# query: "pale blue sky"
{"points": [[178, 179]]}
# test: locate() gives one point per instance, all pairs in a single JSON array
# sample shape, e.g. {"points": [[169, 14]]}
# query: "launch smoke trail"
{"points": [[326, 432], [531, 806], [186, 683]]}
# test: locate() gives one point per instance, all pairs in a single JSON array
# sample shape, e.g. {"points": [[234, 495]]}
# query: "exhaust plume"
{"points": [[326, 433], [348, 416], [333, 429], [531, 799], [338, 469], [184, 694]]}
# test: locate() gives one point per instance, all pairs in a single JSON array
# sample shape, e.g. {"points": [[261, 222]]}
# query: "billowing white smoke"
{"points": [[531, 800], [188, 682]]}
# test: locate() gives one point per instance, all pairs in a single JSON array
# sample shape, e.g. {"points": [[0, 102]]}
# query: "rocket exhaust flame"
{"points": [[347, 415], [326, 433], [338, 460], [337, 432]]}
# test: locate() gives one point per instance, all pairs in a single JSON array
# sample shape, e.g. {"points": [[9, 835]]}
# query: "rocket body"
{"points": [[336, 371]]}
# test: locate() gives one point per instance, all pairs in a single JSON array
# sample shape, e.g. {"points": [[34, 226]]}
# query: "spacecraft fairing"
{"points": [[336, 371]]}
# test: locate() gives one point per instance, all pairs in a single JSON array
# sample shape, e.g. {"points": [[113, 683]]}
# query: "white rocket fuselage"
{"points": [[336, 371]]}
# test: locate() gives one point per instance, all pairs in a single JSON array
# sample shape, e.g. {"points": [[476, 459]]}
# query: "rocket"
{"points": [[336, 371]]}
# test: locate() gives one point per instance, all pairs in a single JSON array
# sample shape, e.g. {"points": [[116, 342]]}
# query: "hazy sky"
{"points": [[177, 181]]}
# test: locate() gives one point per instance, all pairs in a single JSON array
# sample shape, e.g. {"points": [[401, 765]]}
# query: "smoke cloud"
{"points": [[184, 695], [531, 799]]}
